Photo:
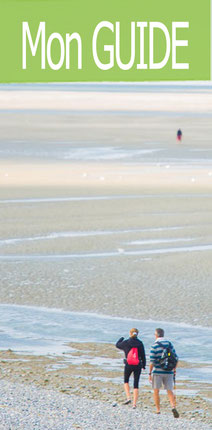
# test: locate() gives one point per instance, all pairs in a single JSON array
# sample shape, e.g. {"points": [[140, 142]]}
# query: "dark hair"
{"points": [[160, 332]]}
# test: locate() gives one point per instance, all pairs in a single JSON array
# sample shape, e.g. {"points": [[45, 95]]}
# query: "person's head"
{"points": [[159, 332], [134, 332]]}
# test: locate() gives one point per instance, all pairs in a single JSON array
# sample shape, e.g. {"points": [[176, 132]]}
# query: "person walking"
{"points": [[179, 136], [163, 359], [135, 360]]}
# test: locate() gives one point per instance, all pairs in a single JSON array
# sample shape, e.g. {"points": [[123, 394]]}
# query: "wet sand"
{"points": [[101, 211], [135, 253], [154, 203]]}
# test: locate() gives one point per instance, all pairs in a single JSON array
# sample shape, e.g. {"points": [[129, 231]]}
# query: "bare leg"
{"points": [[135, 396], [171, 398], [157, 399], [127, 390]]}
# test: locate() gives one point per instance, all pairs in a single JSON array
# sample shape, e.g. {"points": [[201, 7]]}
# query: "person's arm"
{"points": [[120, 342], [152, 363], [143, 356], [176, 358], [150, 371]]}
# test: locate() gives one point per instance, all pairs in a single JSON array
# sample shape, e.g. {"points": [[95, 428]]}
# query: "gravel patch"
{"points": [[29, 408]]}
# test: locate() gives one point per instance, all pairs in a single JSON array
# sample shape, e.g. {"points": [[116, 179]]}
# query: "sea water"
{"points": [[34, 330]]}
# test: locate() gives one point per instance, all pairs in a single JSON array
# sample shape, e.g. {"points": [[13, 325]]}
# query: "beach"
{"points": [[102, 212], [126, 257], [42, 409]]}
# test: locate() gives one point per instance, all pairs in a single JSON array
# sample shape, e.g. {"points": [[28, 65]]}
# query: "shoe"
{"points": [[127, 402], [157, 413], [134, 406], [175, 413]]}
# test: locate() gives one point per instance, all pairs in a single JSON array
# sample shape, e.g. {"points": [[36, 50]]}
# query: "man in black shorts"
{"points": [[134, 353]]}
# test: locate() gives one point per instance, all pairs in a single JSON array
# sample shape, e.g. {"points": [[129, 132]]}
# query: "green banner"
{"points": [[92, 40]]}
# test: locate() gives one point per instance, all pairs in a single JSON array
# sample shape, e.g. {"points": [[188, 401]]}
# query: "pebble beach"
{"points": [[23, 407]]}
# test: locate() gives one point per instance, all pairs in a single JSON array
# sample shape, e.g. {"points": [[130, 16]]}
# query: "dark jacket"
{"points": [[128, 344]]}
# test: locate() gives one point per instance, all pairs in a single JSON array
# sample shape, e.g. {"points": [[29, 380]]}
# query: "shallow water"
{"points": [[107, 197], [116, 253], [111, 86], [35, 330], [73, 234], [149, 152]]}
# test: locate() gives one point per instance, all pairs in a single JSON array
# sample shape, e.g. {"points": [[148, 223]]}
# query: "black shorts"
{"points": [[136, 370]]}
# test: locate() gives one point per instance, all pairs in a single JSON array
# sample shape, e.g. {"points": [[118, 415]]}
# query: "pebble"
{"points": [[26, 407]]}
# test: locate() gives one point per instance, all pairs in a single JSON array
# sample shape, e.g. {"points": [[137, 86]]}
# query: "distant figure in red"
{"points": [[179, 135]]}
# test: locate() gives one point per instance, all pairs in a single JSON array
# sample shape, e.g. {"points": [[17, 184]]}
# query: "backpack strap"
{"points": [[165, 346], [160, 344]]}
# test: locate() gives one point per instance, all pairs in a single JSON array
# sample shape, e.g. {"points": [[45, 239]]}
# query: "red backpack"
{"points": [[132, 357]]}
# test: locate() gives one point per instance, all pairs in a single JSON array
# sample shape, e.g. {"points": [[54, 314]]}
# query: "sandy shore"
{"points": [[90, 101], [103, 176]]}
